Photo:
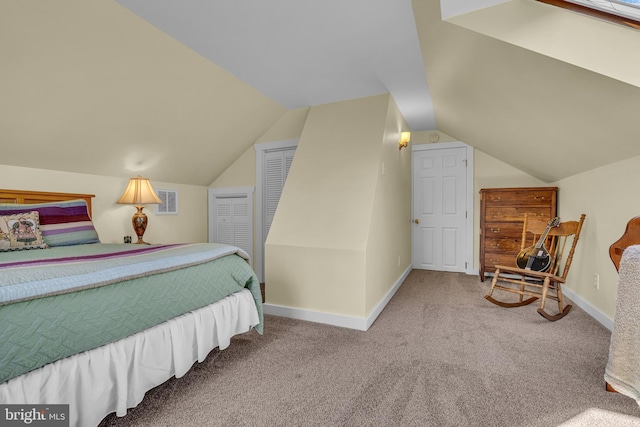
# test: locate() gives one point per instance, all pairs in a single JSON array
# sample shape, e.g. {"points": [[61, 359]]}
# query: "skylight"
{"points": [[623, 12], [624, 8]]}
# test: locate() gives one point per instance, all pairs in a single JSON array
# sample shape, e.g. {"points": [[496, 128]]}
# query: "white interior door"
{"points": [[231, 217], [232, 224], [276, 168], [440, 209], [273, 161]]}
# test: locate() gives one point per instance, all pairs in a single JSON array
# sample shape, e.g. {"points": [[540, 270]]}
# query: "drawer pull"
{"points": [[495, 230], [496, 199], [538, 197]]}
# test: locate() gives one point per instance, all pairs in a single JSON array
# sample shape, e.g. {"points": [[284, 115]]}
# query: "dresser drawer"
{"points": [[496, 230], [493, 259], [521, 198], [516, 213], [511, 245]]}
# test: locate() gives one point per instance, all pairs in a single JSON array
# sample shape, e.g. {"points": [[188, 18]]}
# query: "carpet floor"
{"points": [[438, 355]]}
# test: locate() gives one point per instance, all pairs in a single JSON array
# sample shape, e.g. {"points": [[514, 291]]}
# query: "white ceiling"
{"points": [[304, 53]]}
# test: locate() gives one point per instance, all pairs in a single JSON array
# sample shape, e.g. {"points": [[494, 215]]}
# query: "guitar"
{"points": [[537, 257]]}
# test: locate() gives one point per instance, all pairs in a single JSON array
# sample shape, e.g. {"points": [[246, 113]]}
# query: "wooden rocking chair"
{"points": [[539, 284]]}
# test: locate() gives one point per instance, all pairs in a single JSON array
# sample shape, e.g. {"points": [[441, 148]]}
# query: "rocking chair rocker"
{"points": [[540, 284]]}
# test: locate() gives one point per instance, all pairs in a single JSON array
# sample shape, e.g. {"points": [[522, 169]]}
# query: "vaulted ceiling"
{"points": [[178, 90], [302, 53], [546, 90]]}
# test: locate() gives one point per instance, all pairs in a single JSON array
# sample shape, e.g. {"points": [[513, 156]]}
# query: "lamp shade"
{"points": [[139, 192]]}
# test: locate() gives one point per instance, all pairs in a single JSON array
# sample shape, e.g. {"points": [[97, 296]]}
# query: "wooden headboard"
{"points": [[630, 237], [31, 197]]}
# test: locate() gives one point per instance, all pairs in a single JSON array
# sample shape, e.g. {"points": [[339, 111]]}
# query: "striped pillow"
{"points": [[61, 223]]}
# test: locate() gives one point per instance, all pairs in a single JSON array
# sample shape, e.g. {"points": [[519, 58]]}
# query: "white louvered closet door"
{"points": [[276, 169], [232, 222]]}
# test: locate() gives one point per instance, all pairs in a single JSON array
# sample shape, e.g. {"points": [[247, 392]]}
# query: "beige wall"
{"points": [[113, 221], [605, 195], [317, 250], [609, 197], [388, 246], [290, 126], [91, 80], [523, 74], [488, 172], [139, 92], [242, 173]]}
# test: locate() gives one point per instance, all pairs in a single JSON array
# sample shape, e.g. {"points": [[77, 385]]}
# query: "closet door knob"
{"points": [[417, 221]]}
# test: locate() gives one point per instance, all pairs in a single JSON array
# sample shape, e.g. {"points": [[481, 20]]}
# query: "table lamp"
{"points": [[139, 192]]}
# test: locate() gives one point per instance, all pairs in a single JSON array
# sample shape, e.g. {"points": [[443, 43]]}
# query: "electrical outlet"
{"points": [[596, 280]]}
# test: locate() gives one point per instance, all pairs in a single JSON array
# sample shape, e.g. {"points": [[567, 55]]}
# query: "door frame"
{"points": [[469, 196], [261, 149]]}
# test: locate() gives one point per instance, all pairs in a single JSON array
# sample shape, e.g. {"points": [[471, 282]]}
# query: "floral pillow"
{"points": [[21, 231]]}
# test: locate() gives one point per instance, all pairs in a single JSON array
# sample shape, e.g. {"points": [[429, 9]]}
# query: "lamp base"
{"points": [[139, 222]]}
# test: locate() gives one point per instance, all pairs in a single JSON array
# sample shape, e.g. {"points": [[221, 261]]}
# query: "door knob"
{"points": [[417, 221]]}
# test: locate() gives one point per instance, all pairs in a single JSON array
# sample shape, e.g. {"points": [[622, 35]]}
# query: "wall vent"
{"points": [[169, 204]]}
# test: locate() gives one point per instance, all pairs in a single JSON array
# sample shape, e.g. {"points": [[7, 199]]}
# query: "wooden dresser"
{"points": [[501, 217]]}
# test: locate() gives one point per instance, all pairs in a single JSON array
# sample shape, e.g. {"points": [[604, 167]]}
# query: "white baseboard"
{"points": [[605, 320], [384, 301], [364, 323], [351, 322]]}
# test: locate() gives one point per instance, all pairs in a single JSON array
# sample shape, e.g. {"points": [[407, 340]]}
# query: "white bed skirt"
{"points": [[116, 376]]}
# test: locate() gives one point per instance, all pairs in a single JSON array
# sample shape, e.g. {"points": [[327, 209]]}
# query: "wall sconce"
{"points": [[139, 192], [405, 137]]}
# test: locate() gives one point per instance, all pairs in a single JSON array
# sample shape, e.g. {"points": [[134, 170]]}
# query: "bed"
{"points": [[96, 325], [622, 373]]}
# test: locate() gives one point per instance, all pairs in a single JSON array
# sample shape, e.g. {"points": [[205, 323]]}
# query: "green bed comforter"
{"points": [[41, 329]]}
